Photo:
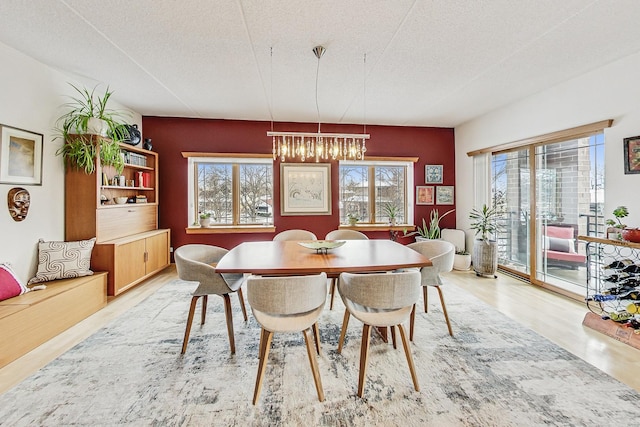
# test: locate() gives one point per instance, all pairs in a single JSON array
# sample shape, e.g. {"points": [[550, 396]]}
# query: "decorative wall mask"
{"points": [[18, 201]]}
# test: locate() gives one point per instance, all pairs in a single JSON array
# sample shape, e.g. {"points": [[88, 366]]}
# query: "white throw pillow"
{"points": [[63, 260]]}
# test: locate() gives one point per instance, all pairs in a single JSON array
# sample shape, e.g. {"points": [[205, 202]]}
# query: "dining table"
{"points": [[291, 258]]}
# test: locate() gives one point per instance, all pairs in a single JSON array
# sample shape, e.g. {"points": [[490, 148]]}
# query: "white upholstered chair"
{"points": [[441, 254], [342, 235], [196, 263], [287, 304], [379, 300], [295, 235]]}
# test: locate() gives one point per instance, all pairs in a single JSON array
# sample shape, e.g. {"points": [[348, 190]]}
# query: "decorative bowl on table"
{"points": [[322, 246]]}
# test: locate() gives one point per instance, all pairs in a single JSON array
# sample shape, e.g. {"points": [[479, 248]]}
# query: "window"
{"points": [[234, 191], [392, 181]]}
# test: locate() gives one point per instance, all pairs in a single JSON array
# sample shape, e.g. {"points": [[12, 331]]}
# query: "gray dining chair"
{"points": [[441, 254], [196, 263], [295, 235], [287, 304], [379, 300], [342, 235]]}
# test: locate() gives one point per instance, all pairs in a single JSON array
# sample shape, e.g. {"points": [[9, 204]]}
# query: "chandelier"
{"points": [[318, 145]]}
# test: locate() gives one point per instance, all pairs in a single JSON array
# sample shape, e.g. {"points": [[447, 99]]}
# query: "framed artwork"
{"points": [[444, 195], [424, 195], [433, 174], [632, 155], [20, 156], [305, 189]]}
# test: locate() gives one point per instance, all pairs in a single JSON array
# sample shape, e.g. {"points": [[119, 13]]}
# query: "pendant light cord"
{"points": [[317, 105]]}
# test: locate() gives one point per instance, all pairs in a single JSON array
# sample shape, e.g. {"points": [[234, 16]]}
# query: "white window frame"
{"points": [[409, 187], [191, 179]]}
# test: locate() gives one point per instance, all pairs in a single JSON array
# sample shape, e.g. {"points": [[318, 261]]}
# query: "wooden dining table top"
{"points": [[289, 257]]}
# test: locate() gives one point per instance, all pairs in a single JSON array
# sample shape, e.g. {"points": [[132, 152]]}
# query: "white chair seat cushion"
{"points": [[378, 317], [287, 322]]}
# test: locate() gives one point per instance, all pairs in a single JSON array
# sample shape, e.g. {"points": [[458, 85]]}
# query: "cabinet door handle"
{"points": [[130, 210], [146, 256]]}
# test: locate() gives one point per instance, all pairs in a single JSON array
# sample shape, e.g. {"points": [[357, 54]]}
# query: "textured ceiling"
{"points": [[428, 63]]}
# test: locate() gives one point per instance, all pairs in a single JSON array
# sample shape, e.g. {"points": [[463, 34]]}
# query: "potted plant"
{"points": [[431, 230], [205, 219], [352, 218], [462, 261], [88, 116], [391, 210], [614, 231], [485, 249]]}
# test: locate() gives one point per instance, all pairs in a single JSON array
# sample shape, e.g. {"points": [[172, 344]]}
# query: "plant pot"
{"points": [[485, 257], [631, 234], [462, 262], [392, 221], [353, 221], [204, 222], [97, 126]]}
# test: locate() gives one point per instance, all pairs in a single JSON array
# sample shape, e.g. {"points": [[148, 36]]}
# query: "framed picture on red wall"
{"points": [[305, 189], [424, 195], [444, 195], [433, 174]]}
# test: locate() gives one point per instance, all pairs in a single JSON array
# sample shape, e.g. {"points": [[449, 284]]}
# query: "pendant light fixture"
{"points": [[318, 146]]}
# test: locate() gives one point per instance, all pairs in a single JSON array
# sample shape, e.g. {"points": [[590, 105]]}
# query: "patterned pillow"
{"points": [[62, 260], [10, 286]]}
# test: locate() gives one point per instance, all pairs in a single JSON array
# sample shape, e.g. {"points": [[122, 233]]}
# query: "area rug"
{"points": [[493, 372]]}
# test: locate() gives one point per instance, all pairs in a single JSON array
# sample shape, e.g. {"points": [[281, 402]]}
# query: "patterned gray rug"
{"points": [[492, 373]]}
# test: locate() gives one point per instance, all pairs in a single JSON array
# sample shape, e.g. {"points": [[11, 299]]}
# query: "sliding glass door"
{"points": [[561, 184], [510, 193]]}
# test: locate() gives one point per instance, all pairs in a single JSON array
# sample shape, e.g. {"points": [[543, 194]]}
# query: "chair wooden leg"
{"points": [[314, 365], [364, 356], [444, 310], [241, 298], [316, 336], [332, 292], [393, 337], [407, 352], [205, 302], [192, 310], [229, 316], [343, 332], [412, 322], [425, 297], [265, 345]]}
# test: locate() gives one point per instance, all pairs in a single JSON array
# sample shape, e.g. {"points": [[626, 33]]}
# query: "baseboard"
{"points": [[612, 329]]}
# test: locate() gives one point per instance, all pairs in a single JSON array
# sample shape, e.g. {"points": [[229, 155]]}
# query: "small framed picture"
{"points": [[632, 155], [444, 195], [424, 195], [20, 156], [433, 174]]}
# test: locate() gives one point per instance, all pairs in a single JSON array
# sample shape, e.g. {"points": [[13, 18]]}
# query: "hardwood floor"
{"points": [[555, 317]]}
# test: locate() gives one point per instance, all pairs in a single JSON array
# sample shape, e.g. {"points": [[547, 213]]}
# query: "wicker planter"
{"points": [[485, 257]]}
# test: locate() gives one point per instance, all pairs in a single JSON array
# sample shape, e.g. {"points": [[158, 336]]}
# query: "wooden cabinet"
{"points": [[131, 259], [128, 243]]}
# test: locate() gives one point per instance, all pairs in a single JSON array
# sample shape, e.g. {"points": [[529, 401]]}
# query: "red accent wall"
{"points": [[171, 136]]}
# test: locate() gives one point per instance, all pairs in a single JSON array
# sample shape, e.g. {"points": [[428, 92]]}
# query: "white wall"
{"points": [[610, 92], [31, 95]]}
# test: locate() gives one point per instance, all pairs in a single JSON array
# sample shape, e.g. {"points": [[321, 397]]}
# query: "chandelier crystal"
{"points": [[318, 146]]}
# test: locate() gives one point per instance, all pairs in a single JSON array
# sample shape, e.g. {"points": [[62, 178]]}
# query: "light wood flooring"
{"points": [[555, 317]]}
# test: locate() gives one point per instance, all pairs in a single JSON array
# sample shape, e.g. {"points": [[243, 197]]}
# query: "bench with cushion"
{"points": [[560, 245], [30, 319]]}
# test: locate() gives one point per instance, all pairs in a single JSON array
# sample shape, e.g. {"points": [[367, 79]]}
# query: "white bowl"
{"points": [[120, 200], [322, 245]]}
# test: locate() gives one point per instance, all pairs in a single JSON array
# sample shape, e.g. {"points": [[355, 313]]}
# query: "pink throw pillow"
{"points": [[10, 286]]}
